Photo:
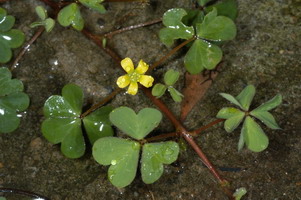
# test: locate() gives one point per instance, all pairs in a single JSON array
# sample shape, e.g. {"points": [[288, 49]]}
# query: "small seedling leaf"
{"points": [[266, 118], [202, 55], [135, 125], [94, 4], [49, 24], [254, 137], [70, 15], [98, 125], [230, 98], [171, 77], [226, 8], [239, 193], [175, 28], [41, 12], [154, 155], [175, 94], [271, 104], [123, 157], [233, 122], [216, 28], [246, 96], [158, 90]]}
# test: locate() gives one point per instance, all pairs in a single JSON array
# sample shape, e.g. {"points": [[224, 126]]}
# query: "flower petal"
{"points": [[142, 67], [127, 65], [123, 81], [133, 88], [146, 81]]}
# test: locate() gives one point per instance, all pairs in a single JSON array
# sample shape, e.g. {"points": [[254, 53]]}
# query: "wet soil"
{"points": [[266, 53]]}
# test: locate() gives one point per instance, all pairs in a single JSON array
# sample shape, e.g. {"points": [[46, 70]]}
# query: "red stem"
{"points": [[198, 131]]}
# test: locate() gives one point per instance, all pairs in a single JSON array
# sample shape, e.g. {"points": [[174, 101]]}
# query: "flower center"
{"points": [[134, 76]]}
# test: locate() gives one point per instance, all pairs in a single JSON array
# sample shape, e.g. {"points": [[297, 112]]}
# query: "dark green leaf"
{"points": [[266, 117], [246, 96], [18, 101], [123, 157], [8, 119], [154, 155], [5, 52], [171, 77], [193, 17], [203, 2], [70, 15], [94, 4], [158, 90], [73, 94], [175, 94], [8, 85], [7, 23], [136, 125], [202, 55], [226, 8], [175, 28], [216, 28], [13, 38], [98, 125], [254, 137], [271, 104]]}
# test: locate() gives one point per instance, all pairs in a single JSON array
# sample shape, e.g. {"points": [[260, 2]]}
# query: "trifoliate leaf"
{"points": [[158, 90], [254, 137], [193, 17], [226, 8], [246, 96], [175, 28], [94, 4], [70, 15], [271, 104], [175, 94], [12, 100], [154, 155], [135, 125], [98, 125], [171, 77], [202, 55], [232, 99], [266, 118], [123, 157], [216, 28]]}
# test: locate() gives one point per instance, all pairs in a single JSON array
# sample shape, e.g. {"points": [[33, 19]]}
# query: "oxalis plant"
{"points": [[200, 30]]}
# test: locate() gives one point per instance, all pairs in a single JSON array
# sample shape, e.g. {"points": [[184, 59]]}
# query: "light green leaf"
{"points": [[233, 122], [70, 15], [18, 101], [94, 4], [226, 8], [227, 112], [202, 55], [266, 118], [239, 193], [171, 77], [241, 142], [230, 98], [98, 125], [135, 125], [158, 90], [254, 137], [175, 28], [175, 94], [271, 104], [154, 155], [41, 12], [216, 28], [246, 96], [49, 24], [123, 157]]}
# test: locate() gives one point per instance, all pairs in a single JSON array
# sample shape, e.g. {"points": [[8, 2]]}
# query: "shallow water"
{"points": [[265, 53]]}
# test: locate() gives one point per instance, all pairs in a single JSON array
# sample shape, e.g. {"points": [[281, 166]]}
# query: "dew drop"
{"points": [[113, 162]]}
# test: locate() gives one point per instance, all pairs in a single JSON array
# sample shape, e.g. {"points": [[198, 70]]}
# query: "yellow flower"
{"points": [[134, 76]]}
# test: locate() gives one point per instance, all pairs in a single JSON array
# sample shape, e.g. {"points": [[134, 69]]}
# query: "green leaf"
{"points": [[12, 100], [216, 28], [98, 125], [271, 104], [203, 2], [63, 124], [233, 122], [158, 90], [246, 96], [175, 94], [227, 112], [266, 117], [7, 23], [202, 55], [230, 98], [171, 77], [41, 12], [3, 13], [193, 17], [5, 52], [239, 193], [123, 157], [254, 137], [241, 142], [94, 4], [13, 38], [70, 15], [135, 125], [154, 155], [226, 8], [49, 24], [175, 28]]}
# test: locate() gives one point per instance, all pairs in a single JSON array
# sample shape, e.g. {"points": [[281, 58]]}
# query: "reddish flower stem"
{"points": [[198, 131]]}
